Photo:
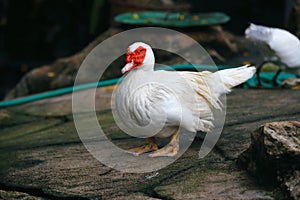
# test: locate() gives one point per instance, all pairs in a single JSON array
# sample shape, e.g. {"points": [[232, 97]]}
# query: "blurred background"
{"points": [[34, 33]]}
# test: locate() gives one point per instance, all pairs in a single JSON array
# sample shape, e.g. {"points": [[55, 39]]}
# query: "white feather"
{"points": [[285, 45], [178, 99]]}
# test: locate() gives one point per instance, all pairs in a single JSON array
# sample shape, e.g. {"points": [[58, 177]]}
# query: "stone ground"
{"points": [[42, 156]]}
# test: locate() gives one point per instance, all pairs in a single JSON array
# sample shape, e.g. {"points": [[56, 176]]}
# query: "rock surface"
{"points": [[17, 195], [42, 156], [274, 156]]}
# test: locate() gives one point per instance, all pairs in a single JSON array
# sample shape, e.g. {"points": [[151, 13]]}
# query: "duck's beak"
{"points": [[129, 66]]}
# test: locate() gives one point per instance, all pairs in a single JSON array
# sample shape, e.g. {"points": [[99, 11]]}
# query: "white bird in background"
{"points": [[285, 45], [170, 100]]}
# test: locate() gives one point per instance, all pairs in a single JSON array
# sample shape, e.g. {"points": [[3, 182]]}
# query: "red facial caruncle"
{"points": [[137, 56], [134, 59]]}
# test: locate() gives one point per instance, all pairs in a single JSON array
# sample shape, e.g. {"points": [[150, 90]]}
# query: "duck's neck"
{"points": [[149, 61], [142, 73], [147, 67]]}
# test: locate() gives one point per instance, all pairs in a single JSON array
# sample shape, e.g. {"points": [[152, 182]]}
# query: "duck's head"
{"points": [[138, 55]]}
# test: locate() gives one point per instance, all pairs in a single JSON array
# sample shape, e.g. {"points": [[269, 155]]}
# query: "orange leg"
{"points": [[151, 145], [170, 149]]}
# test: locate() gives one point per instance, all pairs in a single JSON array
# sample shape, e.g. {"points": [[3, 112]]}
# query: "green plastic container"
{"points": [[168, 19]]}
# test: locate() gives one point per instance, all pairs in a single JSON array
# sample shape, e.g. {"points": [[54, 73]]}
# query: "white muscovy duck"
{"points": [[160, 103], [285, 45]]}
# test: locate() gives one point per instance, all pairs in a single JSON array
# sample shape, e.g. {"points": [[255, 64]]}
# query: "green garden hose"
{"points": [[104, 83]]}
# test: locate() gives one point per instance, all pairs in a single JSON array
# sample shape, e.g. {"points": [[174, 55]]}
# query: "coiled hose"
{"points": [[104, 83]]}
